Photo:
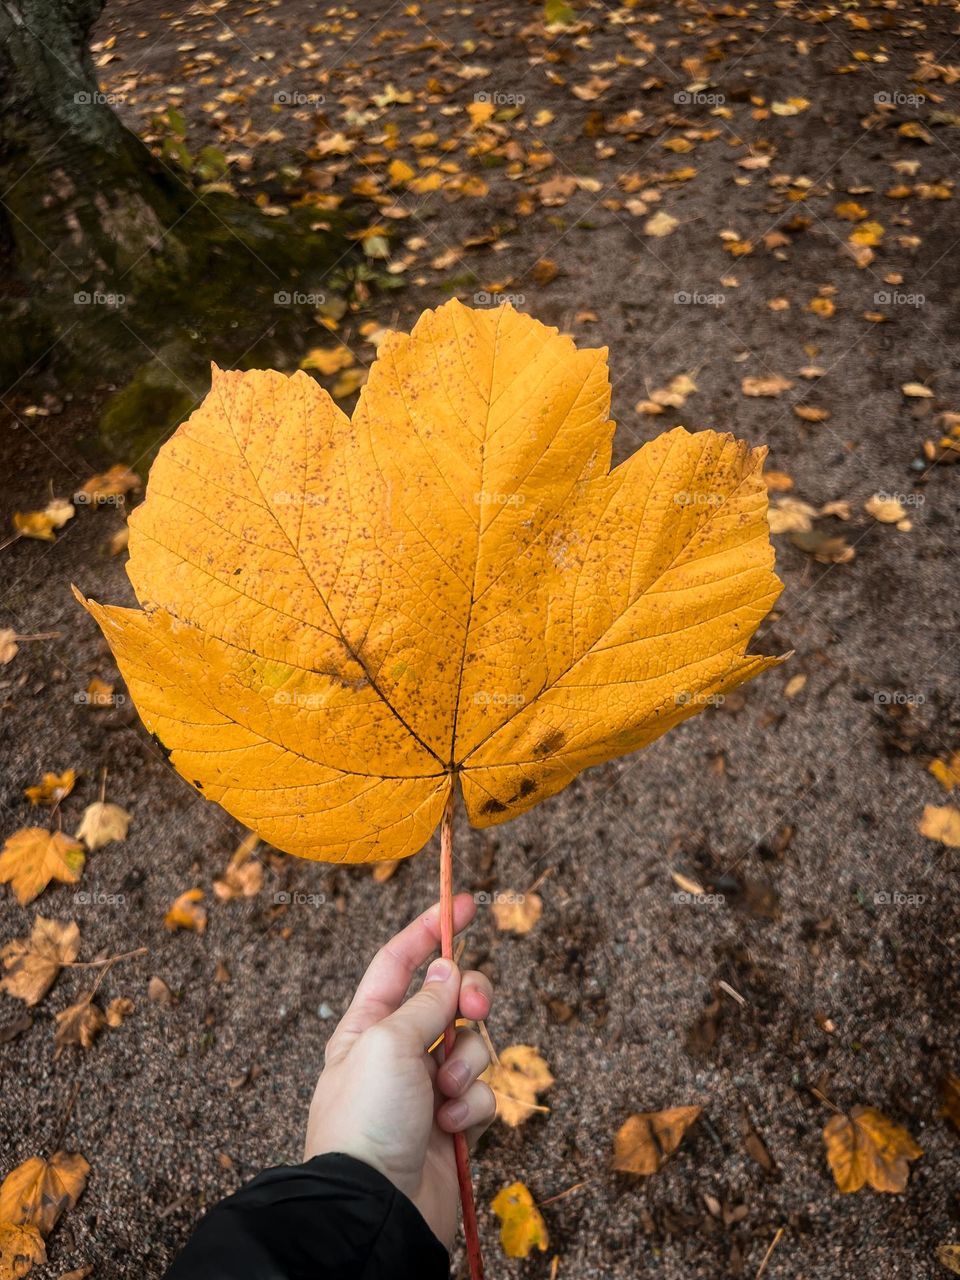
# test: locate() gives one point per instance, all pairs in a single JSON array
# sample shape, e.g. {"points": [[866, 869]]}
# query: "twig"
{"points": [[471, 1235], [769, 1254]]}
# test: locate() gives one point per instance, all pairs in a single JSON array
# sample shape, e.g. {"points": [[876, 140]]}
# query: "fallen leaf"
{"points": [[119, 1008], [114, 483], [522, 1227], [187, 913], [327, 360], [416, 565], [884, 509], [865, 1147], [21, 1249], [941, 822], [948, 1255], [516, 1079], [947, 772], [38, 1191], [661, 224], [52, 788], [646, 1141], [517, 912], [33, 963], [243, 877], [101, 823], [916, 390], [811, 413], [80, 1024], [8, 645], [792, 107], [950, 1095], [771, 386], [41, 524], [791, 515], [32, 857]]}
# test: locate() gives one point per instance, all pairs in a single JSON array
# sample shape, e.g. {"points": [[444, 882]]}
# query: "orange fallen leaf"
{"points": [[80, 1024], [645, 1142], [516, 912], [947, 772], [32, 857], [21, 1249], [38, 1191], [773, 385], [243, 877], [52, 788], [865, 1147], [941, 822], [187, 913]]}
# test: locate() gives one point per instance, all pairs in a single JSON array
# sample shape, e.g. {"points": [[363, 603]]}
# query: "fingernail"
{"points": [[439, 971], [456, 1112], [458, 1073]]}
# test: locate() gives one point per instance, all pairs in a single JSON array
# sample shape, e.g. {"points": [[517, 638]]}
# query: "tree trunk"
{"points": [[88, 207]]}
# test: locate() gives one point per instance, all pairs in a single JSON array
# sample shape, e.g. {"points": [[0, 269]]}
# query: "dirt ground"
{"points": [[799, 809]]}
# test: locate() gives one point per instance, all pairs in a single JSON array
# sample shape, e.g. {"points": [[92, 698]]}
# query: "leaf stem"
{"points": [[468, 1208]]}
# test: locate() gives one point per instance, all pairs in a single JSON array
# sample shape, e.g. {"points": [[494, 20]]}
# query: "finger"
{"points": [[474, 1110], [476, 995], [468, 1061], [389, 974], [433, 1008]]}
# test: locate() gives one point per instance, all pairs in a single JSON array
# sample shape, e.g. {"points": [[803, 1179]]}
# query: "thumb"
{"points": [[426, 1015]]}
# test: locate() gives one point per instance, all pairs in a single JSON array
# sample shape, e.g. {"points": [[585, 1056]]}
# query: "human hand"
{"points": [[381, 1097]]}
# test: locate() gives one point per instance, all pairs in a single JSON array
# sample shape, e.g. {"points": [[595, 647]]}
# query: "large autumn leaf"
{"points": [[339, 616]]}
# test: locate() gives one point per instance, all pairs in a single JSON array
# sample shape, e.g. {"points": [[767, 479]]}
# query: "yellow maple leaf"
{"points": [[38, 1191], [33, 963], [52, 787], [32, 857], [646, 1141], [340, 619], [865, 1147], [522, 1227]]}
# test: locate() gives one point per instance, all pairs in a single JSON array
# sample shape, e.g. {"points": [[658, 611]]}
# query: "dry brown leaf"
{"points": [[8, 645], [916, 391], [948, 1255], [243, 877], [32, 857], [885, 509], [950, 1096], [79, 1024], [825, 548], [516, 912], [101, 823], [33, 963], [119, 1008], [38, 1191], [516, 1080], [646, 1141], [865, 1147], [661, 224], [790, 515]]}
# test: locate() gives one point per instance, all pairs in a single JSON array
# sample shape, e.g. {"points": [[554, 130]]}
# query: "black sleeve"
{"points": [[333, 1218]]}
